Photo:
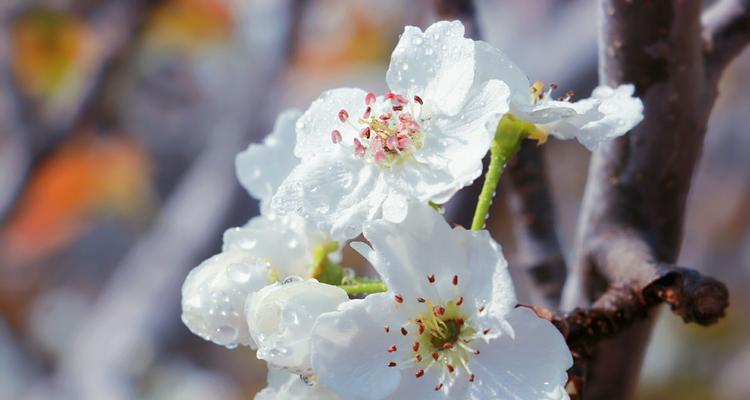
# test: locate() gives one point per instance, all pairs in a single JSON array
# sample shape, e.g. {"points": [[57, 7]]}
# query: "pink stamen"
{"points": [[370, 98], [404, 142], [379, 156], [335, 136], [367, 113], [365, 133], [343, 115], [359, 149], [401, 99], [391, 143]]}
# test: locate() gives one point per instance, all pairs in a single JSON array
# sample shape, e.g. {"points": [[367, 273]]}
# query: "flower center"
{"points": [[442, 337], [388, 131], [448, 335]]}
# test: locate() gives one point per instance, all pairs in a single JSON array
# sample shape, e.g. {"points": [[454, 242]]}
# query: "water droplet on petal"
{"points": [[292, 279], [226, 334]]}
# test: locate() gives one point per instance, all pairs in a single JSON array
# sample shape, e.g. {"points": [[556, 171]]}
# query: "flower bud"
{"points": [[281, 318], [214, 294]]}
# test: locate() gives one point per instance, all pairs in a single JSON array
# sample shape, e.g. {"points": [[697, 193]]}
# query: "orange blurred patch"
{"points": [[360, 41], [49, 50], [85, 176], [190, 24]]}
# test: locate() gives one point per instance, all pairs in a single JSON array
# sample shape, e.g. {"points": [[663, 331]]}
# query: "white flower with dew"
{"points": [[266, 250], [363, 156], [214, 292], [263, 166], [447, 327], [281, 316], [285, 386], [607, 114]]}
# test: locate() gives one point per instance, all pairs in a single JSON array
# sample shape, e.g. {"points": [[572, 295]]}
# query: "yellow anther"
{"points": [[537, 87]]}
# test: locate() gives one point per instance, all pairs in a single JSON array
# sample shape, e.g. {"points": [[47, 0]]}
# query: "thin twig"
{"points": [[726, 33]]}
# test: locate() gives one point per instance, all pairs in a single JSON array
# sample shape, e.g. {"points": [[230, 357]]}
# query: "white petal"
{"points": [[405, 254], [437, 65], [548, 112], [422, 388], [316, 124], [492, 63], [607, 114], [286, 242], [349, 351], [262, 167], [395, 208], [530, 365], [281, 316], [214, 293], [454, 146], [335, 194], [285, 386]]}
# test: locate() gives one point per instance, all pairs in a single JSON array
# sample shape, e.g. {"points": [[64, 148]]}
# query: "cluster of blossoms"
{"points": [[441, 321]]}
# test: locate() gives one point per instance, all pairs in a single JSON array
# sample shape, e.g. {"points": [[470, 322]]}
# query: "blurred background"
{"points": [[119, 123]]}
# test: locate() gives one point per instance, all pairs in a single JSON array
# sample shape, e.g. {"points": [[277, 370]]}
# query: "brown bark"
{"points": [[630, 228]]}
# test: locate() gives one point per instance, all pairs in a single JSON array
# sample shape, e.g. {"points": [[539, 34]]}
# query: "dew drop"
{"points": [[417, 41], [238, 273], [226, 334], [292, 279]]}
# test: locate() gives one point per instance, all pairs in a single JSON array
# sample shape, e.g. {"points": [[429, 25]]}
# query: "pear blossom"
{"points": [[607, 114], [364, 155], [214, 292], [263, 166], [267, 249], [447, 328], [285, 386], [281, 316]]}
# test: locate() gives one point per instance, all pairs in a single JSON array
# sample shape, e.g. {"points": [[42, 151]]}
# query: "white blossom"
{"points": [[263, 166], [362, 155], [608, 113], [281, 317], [266, 250], [214, 292], [447, 327], [285, 386]]}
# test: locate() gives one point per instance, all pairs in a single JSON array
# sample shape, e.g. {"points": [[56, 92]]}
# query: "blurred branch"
{"points": [[15, 155], [630, 228], [141, 297], [463, 10], [534, 223], [726, 33]]}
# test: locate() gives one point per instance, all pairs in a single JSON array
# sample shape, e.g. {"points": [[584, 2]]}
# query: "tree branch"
{"points": [[462, 10], [726, 33], [631, 222]]}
